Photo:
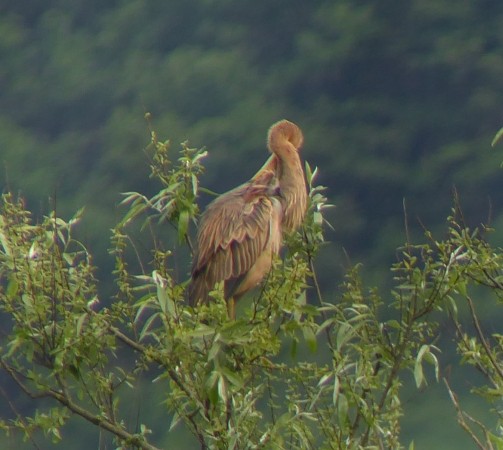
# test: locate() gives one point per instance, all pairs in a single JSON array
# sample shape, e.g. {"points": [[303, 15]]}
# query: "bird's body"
{"points": [[241, 230], [239, 233]]}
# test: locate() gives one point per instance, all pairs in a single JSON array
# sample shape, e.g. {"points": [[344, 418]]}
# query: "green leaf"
{"points": [[424, 353], [299, 302], [336, 390], [418, 373], [195, 185], [222, 389], [342, 409], [145, 331], [175, 421], [310, 338], [233, 377], [165, 302], [132, 213], [183, 224], [293, 348], [431, 358], [211, 386], [344, 334], [12, 288], [80, 323], [453, 307], [325, 378], [496, 440], [214, 350], [202, 330], [497, 137], [309, 173]]}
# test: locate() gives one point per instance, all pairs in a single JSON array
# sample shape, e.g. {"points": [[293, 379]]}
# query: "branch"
{"points": [[462, 416], [101, 422], [62, 398], [482, 338], [395, 368], [314, 277], [463, 340], [20, 418], [172, 373]]}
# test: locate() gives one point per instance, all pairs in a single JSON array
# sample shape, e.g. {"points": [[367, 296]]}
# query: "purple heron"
{"points": [[242, 229]]}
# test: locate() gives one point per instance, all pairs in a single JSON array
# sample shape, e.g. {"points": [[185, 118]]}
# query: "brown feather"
{"points": [[234, 232], [284, 141]]}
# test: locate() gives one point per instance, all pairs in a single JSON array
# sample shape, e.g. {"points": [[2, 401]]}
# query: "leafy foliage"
{"points": [[229, 382]]}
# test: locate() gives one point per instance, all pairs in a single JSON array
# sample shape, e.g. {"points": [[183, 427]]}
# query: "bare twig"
{"points": [[19, 417], [63, 398], [317, 286], [171, 372], [462, 420], [482, 338]]}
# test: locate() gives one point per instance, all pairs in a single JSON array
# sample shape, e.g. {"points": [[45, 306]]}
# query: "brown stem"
{"points": [[20, 418], [65, 400], [462, 416], [173, 375], [317, 287], [482, 338]]}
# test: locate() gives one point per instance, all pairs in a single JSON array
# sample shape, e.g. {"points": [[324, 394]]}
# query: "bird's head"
{"points": [[283, 132]]}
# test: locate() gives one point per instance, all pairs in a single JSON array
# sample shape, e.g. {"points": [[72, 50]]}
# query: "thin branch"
{"points": [[19, 417], [172, 373], [317, 286], [406, 225], [462, 416], [62, 398], [101, 422], [459, 332], [482, 338], [392, 375], [494, 281]]}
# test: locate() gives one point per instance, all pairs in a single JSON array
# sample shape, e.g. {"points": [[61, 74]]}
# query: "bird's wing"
{"points": [[234, 231]]}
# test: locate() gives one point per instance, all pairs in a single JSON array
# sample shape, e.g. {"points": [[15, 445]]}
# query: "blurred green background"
{"points": [[398, 100]]}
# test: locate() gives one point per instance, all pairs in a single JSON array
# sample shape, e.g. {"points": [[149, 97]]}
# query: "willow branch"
{"points": [[482, 338], [462, 416], [314, 277], [66, 401], [173, 375]]}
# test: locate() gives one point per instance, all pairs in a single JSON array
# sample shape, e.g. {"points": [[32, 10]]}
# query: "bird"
{"points": [[241, 230], [238, 236]]}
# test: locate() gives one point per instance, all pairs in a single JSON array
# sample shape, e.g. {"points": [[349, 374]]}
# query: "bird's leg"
{"points": [[231, 308]]}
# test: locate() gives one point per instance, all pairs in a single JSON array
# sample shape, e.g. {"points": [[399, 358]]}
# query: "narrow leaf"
{"points": [[497, 137]]}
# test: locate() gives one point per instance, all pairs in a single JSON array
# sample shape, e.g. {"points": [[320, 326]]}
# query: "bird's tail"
{"points": [[197, 292]]}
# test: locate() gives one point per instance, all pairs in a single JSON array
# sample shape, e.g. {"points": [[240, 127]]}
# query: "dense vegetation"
{"points": [[226, 381], [398, 100]]}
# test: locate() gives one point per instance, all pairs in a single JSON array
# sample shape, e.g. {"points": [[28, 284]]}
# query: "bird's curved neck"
{"points": [[284, 140]]}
